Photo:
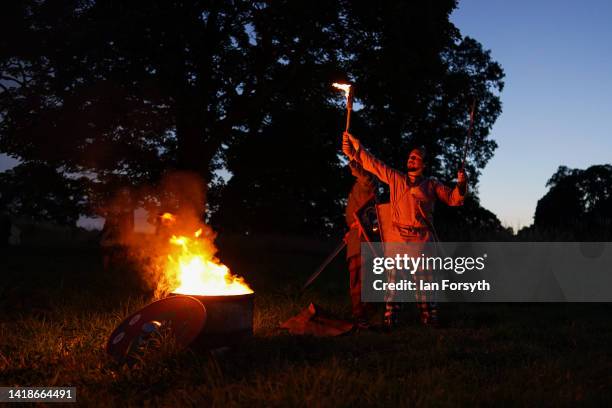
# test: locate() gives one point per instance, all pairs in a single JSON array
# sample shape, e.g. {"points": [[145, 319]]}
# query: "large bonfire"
{"points": [[193, 269]]}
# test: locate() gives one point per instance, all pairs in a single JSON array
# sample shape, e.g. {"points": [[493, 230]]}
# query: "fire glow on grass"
{"points": [[193, 269]]}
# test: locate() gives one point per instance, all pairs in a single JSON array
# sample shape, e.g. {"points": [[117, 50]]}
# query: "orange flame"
{"points": [[168, 217], [195, 271], [346, 88]]}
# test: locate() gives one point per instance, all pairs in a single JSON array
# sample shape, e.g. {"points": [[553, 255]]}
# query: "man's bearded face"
{"points": [[415, 163]]}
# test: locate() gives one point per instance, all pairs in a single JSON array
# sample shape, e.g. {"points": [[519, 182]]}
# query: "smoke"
{"points": [[180, 195]]}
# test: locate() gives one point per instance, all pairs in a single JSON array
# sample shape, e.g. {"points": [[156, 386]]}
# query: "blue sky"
{"points": [[557, 101]]}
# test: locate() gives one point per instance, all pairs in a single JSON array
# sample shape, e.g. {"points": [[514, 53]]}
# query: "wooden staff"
{"points": [[349, 108]]}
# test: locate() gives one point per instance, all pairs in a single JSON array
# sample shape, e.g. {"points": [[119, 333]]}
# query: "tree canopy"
{"points": [[121, 92], [578, 203], [35, 190], [577, 206]]}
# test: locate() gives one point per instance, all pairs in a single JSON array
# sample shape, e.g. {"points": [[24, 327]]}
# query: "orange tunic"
{"points": [[412, 205], [362, 191]]}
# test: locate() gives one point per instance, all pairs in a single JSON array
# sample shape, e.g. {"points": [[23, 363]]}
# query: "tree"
{"points": [[415, 77], [470, 223], [577, 206], [123, 91], [34, 190]]}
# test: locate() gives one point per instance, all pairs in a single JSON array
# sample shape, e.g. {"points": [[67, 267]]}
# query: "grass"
{"points": [[57, 309]]}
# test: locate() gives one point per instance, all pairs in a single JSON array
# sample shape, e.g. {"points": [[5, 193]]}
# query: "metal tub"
{"points": [[229, 320]]}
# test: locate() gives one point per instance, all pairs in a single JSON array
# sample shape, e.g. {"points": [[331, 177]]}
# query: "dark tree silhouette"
{"points": [[578, 205], [34, 190], [123, 91], [563, 204], [470, 222], [415, 77]]}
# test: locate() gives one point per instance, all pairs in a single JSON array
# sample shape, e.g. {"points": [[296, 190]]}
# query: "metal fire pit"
{"points": [[229, 320]]}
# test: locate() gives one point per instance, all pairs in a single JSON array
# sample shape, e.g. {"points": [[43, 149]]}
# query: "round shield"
{"points": [[182, 317]]}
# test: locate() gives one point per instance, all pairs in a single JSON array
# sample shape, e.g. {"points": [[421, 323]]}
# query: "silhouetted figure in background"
{"points": [[117, 231], [362, 191]]}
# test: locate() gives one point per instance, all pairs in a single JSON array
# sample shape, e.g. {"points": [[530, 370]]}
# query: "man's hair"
{"points": [[423, 151]]}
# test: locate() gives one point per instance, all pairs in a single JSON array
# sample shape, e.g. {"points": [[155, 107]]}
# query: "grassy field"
{"points": [[57, 309]]}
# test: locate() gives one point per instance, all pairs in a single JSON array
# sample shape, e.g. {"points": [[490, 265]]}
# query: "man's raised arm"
{"points": [[354, 151], [453, 196]]}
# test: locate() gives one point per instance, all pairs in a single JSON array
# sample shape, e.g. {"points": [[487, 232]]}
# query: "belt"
{"points": [[410, 228]]}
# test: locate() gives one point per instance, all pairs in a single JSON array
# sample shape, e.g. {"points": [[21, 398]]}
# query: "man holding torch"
{"points": [[412, 202]]}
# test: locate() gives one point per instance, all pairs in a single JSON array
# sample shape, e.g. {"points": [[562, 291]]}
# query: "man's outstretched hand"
{"points": [[350, 144], [461, 177], [462, 181]]}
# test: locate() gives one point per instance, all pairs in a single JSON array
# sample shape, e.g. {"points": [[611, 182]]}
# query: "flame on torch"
{"points": [[346, 88]]}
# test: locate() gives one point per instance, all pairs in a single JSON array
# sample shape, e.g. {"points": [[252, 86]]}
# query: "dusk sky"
{"points": [[557, 100]]}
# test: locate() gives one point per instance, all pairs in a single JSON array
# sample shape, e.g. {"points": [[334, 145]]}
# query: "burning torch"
{"points": [[348, 92]]}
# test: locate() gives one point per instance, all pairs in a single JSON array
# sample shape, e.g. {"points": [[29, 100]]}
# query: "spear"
{"points": [[348, 93], [469, 134]]}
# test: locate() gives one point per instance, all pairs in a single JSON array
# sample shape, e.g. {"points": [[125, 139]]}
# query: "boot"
{"points": [[429, 314], [391, 319], [361, 323]]}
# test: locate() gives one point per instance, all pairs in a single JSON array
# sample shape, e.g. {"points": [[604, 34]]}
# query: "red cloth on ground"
{"points": [[316, 322]]}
